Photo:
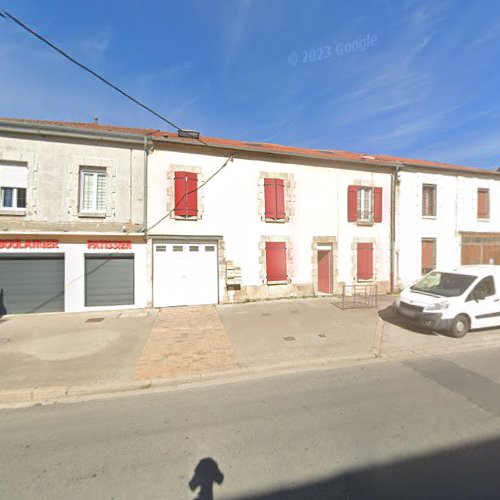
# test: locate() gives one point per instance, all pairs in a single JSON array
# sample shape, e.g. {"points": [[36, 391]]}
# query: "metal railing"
{"points": [[357, 297]]}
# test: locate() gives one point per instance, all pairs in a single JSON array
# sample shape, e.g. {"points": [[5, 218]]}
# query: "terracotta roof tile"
{"points": [[264, 147]]}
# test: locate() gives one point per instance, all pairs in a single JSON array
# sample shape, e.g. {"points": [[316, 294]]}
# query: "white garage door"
{"points": [[185, 274]]}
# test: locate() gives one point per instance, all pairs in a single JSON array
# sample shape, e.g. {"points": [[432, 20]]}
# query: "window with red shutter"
{"points": [[377, 204], [276, 262], [483, 203], [365, 261], [428, 255], [274, 194], [186, 194], [429, 200]]}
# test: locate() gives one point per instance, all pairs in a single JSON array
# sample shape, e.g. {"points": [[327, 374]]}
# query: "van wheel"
{"points": [[460, 326]]}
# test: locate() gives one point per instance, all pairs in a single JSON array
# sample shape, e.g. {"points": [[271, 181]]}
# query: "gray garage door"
{"points": [[31, 283], [109, 280]]}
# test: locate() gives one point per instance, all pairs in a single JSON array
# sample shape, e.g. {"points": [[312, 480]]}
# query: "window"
{"points": [[365, 261], [186, 195], [428, 255], [93, 191], [483, 203], [365, 213], [274, 193], [13, 184], [364, 204], [429, 200], [276, 262], [13, 198], [485, 288]]}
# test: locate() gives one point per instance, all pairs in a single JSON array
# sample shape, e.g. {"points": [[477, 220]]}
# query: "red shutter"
{"points": [[365, 261], [428, 255], [276, 261], [377, 204], [482, 204], [270, 198], [352, 203], [280, 199], [192, 195], [180, 194]]}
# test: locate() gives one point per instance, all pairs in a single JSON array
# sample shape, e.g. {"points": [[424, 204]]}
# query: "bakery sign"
{"points": [[29, 244], [109, 245]]}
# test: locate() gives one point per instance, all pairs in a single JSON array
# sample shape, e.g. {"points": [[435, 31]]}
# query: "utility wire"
{"points": [[189, 192], [6, 14]]}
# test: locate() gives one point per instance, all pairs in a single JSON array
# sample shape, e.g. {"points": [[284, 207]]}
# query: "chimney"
{"points": [[96, 120]]}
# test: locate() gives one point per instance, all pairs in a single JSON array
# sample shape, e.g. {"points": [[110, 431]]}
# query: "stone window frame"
{"points": [[80, 163], [262, 257], [33, 165], [354, 248], [171, 190], [324, 240], [367, 184], [289, 184]]}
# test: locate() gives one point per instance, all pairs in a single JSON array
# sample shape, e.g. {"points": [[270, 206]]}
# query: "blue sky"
{"points": [[408, 78]]}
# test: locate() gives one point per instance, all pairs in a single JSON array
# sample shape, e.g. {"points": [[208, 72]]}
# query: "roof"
{"points": [[330, 154]]}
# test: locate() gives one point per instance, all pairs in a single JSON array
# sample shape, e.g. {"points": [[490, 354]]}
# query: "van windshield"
{"points": [[443, 284]]}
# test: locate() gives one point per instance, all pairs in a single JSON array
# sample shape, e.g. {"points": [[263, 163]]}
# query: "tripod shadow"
{"points": [[205, 475]]}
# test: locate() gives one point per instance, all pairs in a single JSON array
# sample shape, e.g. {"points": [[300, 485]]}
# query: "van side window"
{"points": [[485, 288]]}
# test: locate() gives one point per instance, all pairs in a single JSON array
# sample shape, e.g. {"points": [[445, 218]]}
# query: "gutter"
{"points": [[277, 153], [69, 132]]}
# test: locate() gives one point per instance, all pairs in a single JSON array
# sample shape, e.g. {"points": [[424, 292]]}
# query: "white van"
{"points": [[455, 301]]}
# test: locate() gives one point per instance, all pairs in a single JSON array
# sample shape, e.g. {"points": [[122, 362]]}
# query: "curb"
{"points": [[27, 397], [22, 398]]}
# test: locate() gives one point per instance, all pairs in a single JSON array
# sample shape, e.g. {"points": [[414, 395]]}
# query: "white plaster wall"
{"points": [[456, 212], [53, 181], [231, 210]]}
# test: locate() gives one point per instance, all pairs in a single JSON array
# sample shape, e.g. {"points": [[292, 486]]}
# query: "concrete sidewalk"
{"points": [[52, 356]]}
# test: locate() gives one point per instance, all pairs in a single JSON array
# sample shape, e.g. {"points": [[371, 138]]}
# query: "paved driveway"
{"points": [[285, 331]]}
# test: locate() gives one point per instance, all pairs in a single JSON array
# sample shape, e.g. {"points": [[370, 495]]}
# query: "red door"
{"points": [[325, 271]]}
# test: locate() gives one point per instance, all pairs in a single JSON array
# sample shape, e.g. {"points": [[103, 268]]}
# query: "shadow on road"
{"points": [[389, 316], [205, 475], [468, 472]]}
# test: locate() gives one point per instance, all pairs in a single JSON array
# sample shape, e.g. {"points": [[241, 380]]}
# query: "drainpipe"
{"points": [[145, 216], [394, 182]]}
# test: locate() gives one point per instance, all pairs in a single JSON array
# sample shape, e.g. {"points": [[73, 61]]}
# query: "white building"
{"points": [[71, 218], [95, 216], [274, 222], [446, 216]]}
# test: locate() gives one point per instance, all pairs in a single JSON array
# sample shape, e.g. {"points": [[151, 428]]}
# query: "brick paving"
{"points": [[185, 341]]}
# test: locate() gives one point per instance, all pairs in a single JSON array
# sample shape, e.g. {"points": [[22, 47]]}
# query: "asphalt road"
{"points": [[417, 430]]}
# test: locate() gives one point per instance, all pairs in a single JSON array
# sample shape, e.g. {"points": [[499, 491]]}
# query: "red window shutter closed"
{"points": [[377, 204], [186, 196], [352, 203], [270, 198], [180, 193], [428, 255], [280, 199], [276, 261], [192, 195], [365, 261]]}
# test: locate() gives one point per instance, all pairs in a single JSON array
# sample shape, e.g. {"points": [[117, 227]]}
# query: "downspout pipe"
{"points": [[394, 182], [145, 216]]}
